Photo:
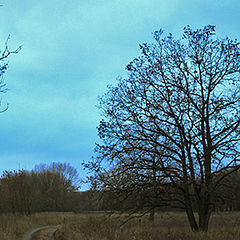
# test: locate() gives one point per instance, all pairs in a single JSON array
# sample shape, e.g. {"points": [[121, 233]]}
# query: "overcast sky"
{"points": [[71, 51]]}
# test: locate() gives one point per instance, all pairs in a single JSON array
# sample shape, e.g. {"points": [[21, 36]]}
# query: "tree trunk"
{"points": [[192, 219], [189, 210], [204, 217], [204, 210], [152, 215]]}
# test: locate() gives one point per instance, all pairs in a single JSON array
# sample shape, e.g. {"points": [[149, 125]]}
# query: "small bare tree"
{"points": [[180, 106], [4, 54]]}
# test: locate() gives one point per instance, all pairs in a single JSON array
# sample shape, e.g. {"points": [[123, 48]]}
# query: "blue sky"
{"points": [[71, 51]]}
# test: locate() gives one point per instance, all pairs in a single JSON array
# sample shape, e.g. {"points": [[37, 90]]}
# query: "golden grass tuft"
{"points": [[40, 235]]}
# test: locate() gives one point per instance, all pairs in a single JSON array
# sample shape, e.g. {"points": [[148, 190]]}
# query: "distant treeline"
{"points": [[46, 188], [55, 187], [227, 198]]}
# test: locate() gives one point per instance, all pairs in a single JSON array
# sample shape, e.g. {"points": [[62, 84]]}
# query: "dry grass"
{"points": [[168, 226], [101, 226], [40, 235], [12, 227]]}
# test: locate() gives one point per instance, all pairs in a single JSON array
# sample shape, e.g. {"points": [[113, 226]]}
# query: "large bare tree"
{"points": [[173, 122]]}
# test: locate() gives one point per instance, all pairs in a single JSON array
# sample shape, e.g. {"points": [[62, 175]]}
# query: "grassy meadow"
{"points": [[12, 227], [103, 226], [167, 226]]}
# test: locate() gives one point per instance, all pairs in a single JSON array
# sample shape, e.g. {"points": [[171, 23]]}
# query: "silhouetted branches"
{"points": [[4, 54], [170, 130]]}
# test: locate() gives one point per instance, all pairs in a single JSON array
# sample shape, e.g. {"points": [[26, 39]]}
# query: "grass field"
{"points": [[167, 226], [102, 226], [12, 227]]}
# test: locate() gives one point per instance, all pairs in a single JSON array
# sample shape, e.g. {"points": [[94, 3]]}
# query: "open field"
{"points": [[167, 226], [102, 226], [13, 227]]}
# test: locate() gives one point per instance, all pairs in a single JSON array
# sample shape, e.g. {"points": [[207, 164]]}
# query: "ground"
{"points": [[105, 226]]}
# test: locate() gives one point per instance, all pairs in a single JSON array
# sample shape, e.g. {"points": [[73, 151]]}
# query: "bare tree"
{"points": [[179, 105], [65, 171], [4, 54], [16, 192], [47, 188]]}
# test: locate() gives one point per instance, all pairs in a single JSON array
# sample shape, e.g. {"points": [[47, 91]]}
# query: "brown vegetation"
{"points": [[12, 227], [45, 233], [40, 235], [174, 226], [103, 226], [46, 188]]}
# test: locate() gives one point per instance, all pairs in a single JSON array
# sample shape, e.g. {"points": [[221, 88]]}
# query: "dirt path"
{"points": [[41, 233]]}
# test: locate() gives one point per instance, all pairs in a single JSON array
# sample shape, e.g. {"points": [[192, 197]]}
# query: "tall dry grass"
{"points": [[167, 226], [102, 226], [12, 227]]}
